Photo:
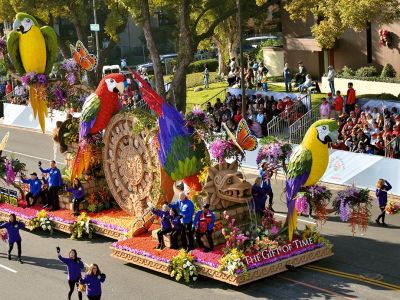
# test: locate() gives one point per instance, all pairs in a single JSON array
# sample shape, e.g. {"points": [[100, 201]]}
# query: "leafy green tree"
{"points": [[333, 17]]}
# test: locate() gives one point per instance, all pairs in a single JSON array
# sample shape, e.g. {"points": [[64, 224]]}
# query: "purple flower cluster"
{"points": [[271, 153], [69, 66], [345, 211], [301, 204], [71, 78], [60, 97], [32, 77], [41, 78], [219, 147]]}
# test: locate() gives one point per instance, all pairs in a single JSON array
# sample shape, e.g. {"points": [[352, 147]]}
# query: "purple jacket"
{"points": [[381, 194], [78, 193], [165, 218], [176, 223], [74, 267], [259, 196], [13, 231], [93, 284]]}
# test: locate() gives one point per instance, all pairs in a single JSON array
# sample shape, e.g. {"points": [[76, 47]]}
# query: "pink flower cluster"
{"points": [[233, 235], [301, 204], [219, 148]]}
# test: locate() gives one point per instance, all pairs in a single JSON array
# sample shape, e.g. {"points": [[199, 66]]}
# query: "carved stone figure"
{"points": [[225, 186]]}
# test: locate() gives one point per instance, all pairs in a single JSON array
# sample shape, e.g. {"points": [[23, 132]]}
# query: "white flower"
{"points": [[49, 227], [82, 223], [194, 278], [184, 265], [191, 273], [44, 227]]}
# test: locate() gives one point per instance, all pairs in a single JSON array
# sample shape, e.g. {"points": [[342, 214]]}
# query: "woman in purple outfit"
{"points": [[93, 280], [382, 187], [74, 267], [165, 220], [176, 227], [78, 194], [13, 227]]}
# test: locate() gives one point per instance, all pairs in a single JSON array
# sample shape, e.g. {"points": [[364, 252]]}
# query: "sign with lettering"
{"points": [[284, 251], [4, 195]]}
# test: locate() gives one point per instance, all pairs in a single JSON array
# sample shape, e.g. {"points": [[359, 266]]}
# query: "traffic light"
{"points": [[90, 45]]}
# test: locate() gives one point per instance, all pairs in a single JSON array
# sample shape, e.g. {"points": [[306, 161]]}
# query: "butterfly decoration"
{"points": [[243, 139], [82, 57]]}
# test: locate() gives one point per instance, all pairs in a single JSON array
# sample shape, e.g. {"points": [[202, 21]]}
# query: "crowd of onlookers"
{"points": [[14, 94], [368, 130], [259, 111]]}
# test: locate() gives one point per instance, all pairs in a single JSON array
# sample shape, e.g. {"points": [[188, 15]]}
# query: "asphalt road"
{"points": [[365, 266]]}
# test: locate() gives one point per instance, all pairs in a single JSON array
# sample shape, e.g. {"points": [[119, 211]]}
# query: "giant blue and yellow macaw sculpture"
{"points": [[308, 163], [33, 49]]}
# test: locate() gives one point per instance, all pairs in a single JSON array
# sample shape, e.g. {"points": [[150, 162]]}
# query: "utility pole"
{"points": [[239, 21], [96, 32]]}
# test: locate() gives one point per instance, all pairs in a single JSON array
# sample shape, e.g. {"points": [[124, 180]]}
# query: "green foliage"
{"points": [[313, 233], [383, 96], [272, 43], [72, 135], [182, 266], [346, 71], [233, 262], [145, 121], [366, 72], [198, 66], [335, 16], [3, 68], [388, 71]]}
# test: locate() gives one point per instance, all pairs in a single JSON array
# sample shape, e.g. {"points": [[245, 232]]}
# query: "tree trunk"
{"points": [[177, 93], [152, 46], [233, 38], [222, 67]]}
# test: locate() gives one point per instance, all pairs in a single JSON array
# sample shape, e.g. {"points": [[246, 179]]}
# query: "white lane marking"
{"points": [[31, 156], [300, 220], [7, 268]]}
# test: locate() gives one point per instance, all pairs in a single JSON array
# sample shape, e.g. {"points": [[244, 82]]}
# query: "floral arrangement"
{"points": [[315, 235], [235, 239], [198, 119], [182, 266], [60, 98], [3, 235], [70, 68], [82, 225], [32, 77], [9, 167], [222, 150], [233, 262], [393, 208], [274, 152], [317, 198], [354, 205], [99, 201], [41, 220]]}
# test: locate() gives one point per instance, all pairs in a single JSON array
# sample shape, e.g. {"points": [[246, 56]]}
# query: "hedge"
{"points": [[198, 66]]}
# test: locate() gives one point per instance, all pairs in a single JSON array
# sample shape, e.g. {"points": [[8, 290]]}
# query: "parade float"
{"points": [[132, 159]]}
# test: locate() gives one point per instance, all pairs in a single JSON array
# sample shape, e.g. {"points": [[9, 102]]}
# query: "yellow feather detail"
{"points": [[33, 99], [292, 224]]}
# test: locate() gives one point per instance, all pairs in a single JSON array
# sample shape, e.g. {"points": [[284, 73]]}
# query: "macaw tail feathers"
{"points": [[292, 223], [38, 100], [82, 160]]}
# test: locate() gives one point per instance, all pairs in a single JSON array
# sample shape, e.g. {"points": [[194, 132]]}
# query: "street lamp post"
{"points": [[96, 32], [239, 21]]}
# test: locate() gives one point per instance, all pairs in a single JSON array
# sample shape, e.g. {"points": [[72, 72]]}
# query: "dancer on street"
{"points": [[382, 187], [74, 267], [13, 227], [93, 280]]}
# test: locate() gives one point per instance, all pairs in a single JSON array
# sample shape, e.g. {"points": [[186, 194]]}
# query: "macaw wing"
{"points": [[153, 100], [50, 37], [299, 169], [90, 110], [13, 51]]}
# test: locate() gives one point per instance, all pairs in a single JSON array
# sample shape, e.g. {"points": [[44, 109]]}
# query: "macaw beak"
{"points": [[120, 87], [17, 26], [332, 137]]}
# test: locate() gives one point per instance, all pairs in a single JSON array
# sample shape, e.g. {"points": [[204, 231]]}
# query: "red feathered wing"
{"points": [[148, 94]]}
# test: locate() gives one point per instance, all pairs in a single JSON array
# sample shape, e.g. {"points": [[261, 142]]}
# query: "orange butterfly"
{"points": [[82, 57], [244, 140]]}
